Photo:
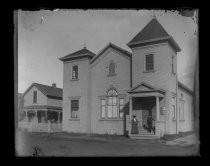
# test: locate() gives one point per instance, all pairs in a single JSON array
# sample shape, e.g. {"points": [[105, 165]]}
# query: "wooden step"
{"points": [[138, 136]]}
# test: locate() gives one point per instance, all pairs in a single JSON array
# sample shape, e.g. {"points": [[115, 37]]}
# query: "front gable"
{"points": [[107, 50], [144, 87], [28, 97]]}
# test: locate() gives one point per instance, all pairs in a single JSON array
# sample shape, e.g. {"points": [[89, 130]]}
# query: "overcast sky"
{"points": [[44, 36]]}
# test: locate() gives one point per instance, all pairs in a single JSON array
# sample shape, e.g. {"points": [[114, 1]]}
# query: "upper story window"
{"points": [[173, 65], [35, 97], [112, 67], [75, 72], [149, 62]]}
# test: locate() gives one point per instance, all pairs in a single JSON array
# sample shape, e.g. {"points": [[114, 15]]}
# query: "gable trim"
{"points": [[118, 49], [152, 89], [33, 84]]}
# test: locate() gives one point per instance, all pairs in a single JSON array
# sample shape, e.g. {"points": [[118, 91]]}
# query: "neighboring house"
{"points": [[41, 104], [102, 92]]}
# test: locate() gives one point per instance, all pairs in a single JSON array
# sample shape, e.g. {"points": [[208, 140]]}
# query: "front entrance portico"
{"points": [[145, 100]]}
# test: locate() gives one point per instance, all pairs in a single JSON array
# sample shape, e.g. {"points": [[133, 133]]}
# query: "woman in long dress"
{"points": [[134, 128]]}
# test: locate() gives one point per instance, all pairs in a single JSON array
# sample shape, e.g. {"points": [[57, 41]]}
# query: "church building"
{"points": [[103, 92]]}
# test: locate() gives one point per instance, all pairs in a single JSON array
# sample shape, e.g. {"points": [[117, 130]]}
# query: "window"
{"points": [[103, 108], [173, 65], [75, 72], [181, 109], [112, 107], [173, 108], [112, 104], [112, 68], [121, 107], [35, 97], [149, 62], [74, 108]]}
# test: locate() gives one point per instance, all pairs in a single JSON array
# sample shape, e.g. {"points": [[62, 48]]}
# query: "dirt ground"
{"points": [[67, 145]]}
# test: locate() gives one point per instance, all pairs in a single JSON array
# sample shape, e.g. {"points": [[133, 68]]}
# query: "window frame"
{"points": [[113, 71], [112, 106], [101, 108], [122, 108], [76, 77], [35, 96], [71, 111], [145, 62]]}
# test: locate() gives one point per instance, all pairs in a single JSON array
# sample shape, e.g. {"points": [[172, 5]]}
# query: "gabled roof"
{"points": [[111, 45], [153, 32], [180, 85], [144, 87], [49, 91], [78, 54]]}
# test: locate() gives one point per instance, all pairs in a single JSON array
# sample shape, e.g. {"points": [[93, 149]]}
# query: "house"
{"points": [[102, 92], [41, 103]]}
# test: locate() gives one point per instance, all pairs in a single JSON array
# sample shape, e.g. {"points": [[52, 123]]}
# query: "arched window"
{"points": [[112, 104], [111, 68]]}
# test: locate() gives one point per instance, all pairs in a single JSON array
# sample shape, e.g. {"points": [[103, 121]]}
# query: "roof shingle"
{"points": [[153, 32], [80, 53], [49, 90]]}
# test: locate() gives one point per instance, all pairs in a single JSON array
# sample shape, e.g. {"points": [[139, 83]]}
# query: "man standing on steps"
{"points": [[149, 123]]}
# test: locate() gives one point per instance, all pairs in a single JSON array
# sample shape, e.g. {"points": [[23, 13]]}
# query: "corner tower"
{"points": [[154, 61]]}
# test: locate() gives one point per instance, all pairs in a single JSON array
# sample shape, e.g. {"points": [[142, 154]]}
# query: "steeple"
{"points": [[153, 32]]}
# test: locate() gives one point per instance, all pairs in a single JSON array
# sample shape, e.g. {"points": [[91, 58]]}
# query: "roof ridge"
{"points": [[47, 85]]}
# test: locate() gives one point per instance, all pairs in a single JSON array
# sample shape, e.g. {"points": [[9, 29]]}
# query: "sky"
{"points": [[44, 36]]}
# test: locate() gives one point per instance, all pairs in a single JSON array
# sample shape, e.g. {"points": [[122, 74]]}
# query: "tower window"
{"points": [[149, 62], [75, 72]]}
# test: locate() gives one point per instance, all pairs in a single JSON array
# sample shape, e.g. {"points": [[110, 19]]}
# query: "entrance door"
{"points": [[145, 114]]}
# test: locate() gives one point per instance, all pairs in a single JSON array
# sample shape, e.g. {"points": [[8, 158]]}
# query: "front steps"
{"points": [[143, 134]]}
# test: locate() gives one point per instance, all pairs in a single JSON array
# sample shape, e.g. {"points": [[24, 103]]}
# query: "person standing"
{"points": [[134, 127], [149, 123]]}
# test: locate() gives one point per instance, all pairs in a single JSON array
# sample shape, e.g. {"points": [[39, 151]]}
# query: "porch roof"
{"points": [[143, 89]]}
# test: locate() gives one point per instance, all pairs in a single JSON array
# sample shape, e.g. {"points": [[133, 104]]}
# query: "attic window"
{"points": [[112, 68], [149, 62], [35, 97]]}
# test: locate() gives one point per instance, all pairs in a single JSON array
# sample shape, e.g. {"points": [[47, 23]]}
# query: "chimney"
{"points": [[54, 85]]}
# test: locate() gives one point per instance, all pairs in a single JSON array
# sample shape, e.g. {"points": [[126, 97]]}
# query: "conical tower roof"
{"points": [[153, 33]]}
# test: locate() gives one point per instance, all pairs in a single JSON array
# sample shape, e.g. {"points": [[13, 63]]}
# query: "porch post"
{"points": [[130, 112], [157, 108]]}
